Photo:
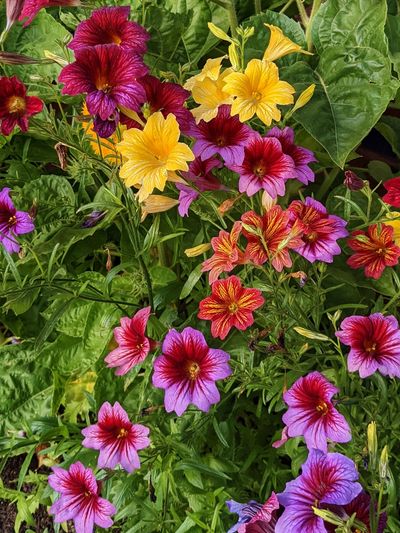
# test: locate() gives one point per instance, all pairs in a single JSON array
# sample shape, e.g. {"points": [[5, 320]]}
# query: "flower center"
{"points": [[322, 408], [256, 96], [16, 104], [220, 141], [311, 237], [232, 308], [122, 433], [87, 493], [259, 169], [193, 370], [102, 84], [116, 39], [12, 220], [380, 251], [370, 346]]}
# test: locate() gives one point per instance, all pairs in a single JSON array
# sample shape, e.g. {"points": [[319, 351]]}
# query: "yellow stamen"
{"points": [[16, 104], [193, 370], [122, 433]]}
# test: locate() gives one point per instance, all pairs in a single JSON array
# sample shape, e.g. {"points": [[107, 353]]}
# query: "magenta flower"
{"points": [[111, 25], [109, 75], [12, 222], [312, 414], [300, 156], [133, 345], [80, 500], [325, 479], [32, 7], [116, 437], [200, 173], [166, 97], [254, 517], [224, 135], [188, 369], [264, 166], [374, 342], [320, 230]]}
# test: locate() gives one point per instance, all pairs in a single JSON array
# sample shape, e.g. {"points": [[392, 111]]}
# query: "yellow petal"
{"points": [[197, 250], [304, 98], [279, 45]]}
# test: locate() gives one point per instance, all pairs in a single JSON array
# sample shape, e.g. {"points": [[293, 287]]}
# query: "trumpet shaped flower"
{"points": [[279, 45], [15, 105], [153, 154], [12, 222], [226, 253]]}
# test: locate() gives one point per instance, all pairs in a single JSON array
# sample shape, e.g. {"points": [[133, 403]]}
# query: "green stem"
{"points": [[257, 6], [286, 6], [316, 5], [233, 21], [302, 13]]}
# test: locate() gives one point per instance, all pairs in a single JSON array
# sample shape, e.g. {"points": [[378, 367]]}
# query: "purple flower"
{"points": [[224, 135], [12, 222], [312, 414], [320, 230], [116, 437], [93, 219], [109, 75], [188, 370], [325, 479], [301, 156], [80, 500], [374, 342], [254, 517], [200, 173]]}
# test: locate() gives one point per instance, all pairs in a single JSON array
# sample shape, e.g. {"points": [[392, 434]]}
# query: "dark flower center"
{"points": [[220, 141], [260, 169], [322, 408], [16, 104], [370, 346], [233, 308], [311, 237], [122, 433], [192, 369], [12, 221]]}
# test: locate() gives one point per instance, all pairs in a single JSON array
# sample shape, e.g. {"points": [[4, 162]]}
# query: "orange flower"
{"points": [[230, 305], [227, 254], [270, 237]]}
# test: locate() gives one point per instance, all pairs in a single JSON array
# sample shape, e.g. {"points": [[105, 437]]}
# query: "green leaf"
{"points": [[393, 35], [389, 127], [353, 89], [191, 281]]}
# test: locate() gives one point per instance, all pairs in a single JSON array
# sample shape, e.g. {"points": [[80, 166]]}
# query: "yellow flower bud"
{"points": [[304, 98], [311, 334], [157, 203], [383, 463], [197, 250], [372, 443], [234, 56], [218, 32]]}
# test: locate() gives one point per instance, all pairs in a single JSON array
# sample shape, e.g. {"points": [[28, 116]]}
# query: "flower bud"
{"points": [[234, 56], [304, 98], [372, 444], [267, 202], [157, 203], [383, 463], [9, 58], [352, 181], [197, 250], [13, 11], [218, 32]]}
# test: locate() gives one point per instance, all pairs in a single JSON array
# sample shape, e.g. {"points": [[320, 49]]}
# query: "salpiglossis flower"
{"points": [[258, 91], [374, 249], [15, 105], [254, 517], [210, 94], [227, 254], [12, 222], [32, 7], [392, 196], [230, 305], [279, 45], [153, 154]]}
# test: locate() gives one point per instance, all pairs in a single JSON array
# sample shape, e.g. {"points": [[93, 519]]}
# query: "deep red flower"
{"points": [[109, 75], [392, 197], [270, 237], [226, 253], [224, 135], [32, 7], [320, 230], [166, 97], [15, 106], [111, 25], [264, 166], [116, 437], [375, 249], [133, 345], [230, 305], [361, 506]]}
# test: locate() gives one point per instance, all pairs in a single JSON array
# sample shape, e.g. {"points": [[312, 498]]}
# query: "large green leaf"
{"points": [[353, 89]]}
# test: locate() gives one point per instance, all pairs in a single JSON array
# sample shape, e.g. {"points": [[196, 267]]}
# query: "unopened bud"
{"points": [[157, 203], [33, 209], [227, 205], [197, 250], [9, 58], [109, 261], [218, 32], [55, 58], [352, 181], [311, 334], [304, 98], [372, 444], [62, 152], [383, 463], [234, 56], [267, 202]]}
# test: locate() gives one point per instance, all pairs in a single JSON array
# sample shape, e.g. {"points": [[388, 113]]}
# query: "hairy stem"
{"points": [[233, 21], [302, 13]]}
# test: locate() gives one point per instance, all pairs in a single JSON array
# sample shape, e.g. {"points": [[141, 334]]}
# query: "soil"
{"points": [[8, 511]]}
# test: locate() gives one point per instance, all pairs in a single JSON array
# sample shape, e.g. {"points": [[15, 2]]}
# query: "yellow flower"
{"points": [[210, 94], [197, 250], [395, 224], [153, 154], [279, 45], [258, 91], [210, 70], [157, 203], [105, 148]]}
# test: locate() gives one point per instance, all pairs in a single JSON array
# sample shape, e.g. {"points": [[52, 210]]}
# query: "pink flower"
{"points": [[301, 156], [312, 414], [80, 500], [111, 25], [32, 7], [224, 135], [374, 344], [188, 370], [254, 517], [320, 230], [134, 346], [116, 437], [264, 167]]}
